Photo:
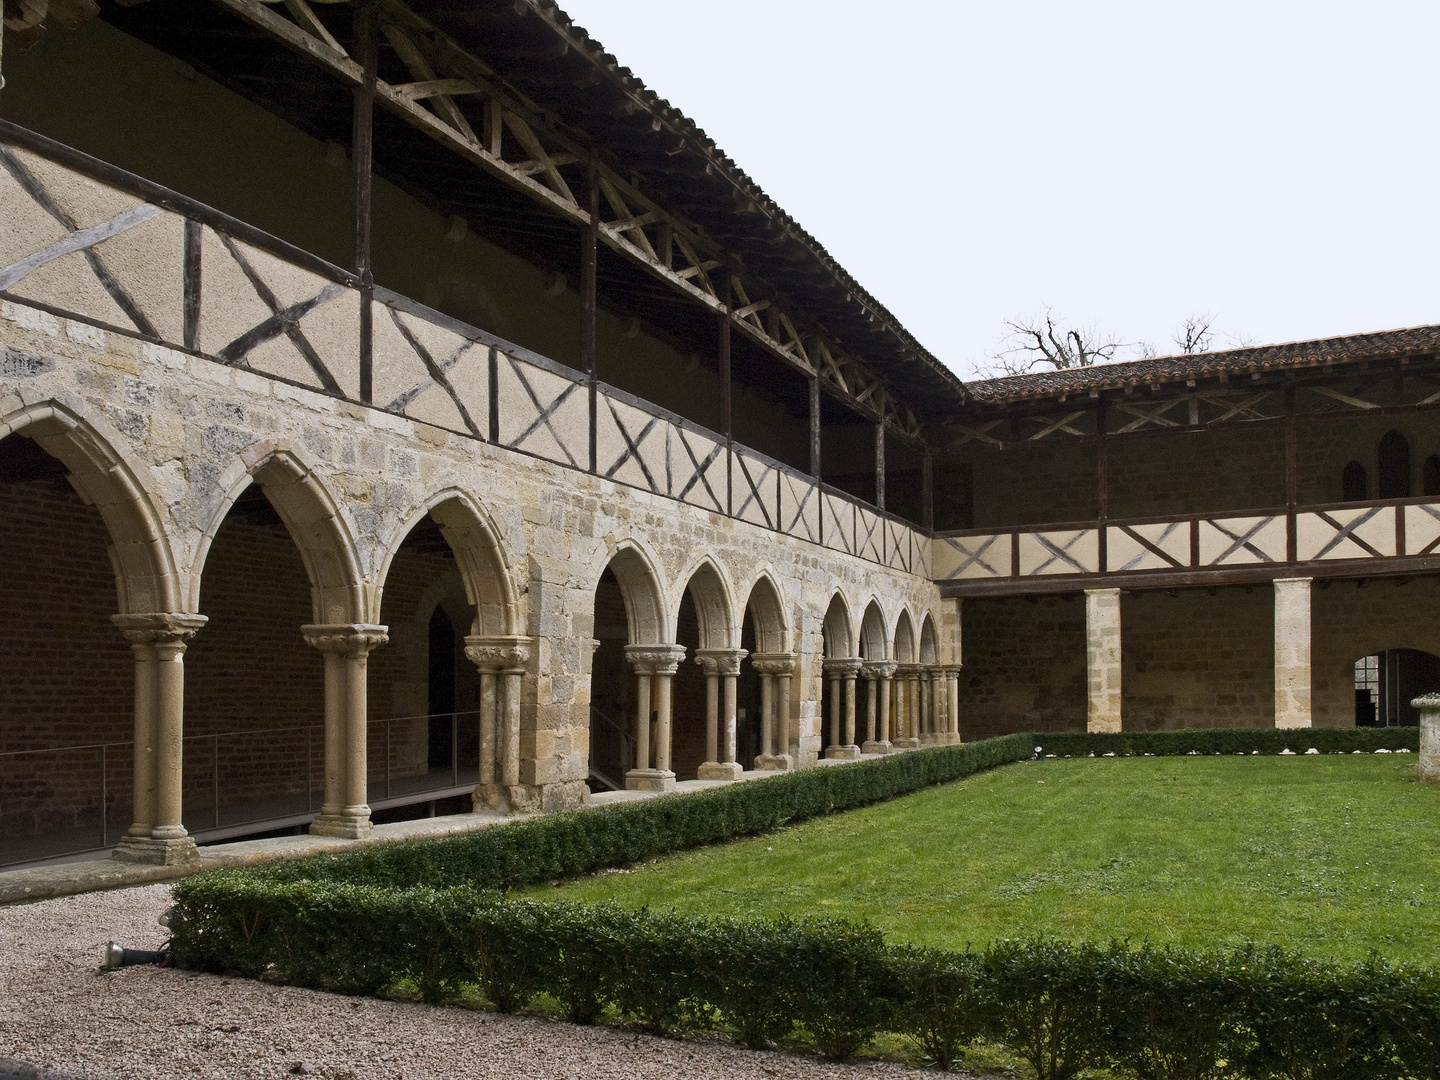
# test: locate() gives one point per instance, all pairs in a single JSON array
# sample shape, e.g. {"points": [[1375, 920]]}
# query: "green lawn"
{"points": [[1332, 854]]}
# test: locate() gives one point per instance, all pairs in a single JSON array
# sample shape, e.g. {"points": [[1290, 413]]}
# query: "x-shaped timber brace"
{"points": [[628, 222]]}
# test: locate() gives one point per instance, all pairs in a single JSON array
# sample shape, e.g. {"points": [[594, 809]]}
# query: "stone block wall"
{"points": [[188, 435], [1024, 665]]}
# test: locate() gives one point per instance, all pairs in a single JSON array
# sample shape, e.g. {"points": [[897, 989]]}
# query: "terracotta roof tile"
{"points": [[1161, 369]]}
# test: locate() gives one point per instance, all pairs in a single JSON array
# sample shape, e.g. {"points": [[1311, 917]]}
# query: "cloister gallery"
{"points": [[402, 407]]}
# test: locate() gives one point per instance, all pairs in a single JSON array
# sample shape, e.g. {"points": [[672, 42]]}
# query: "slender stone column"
{"points": [[655, 663], [346, 646], [843, 669], [722, 667], [1102, 658], [501, 660], [877, 681], [836, 704], [1292, 652], [906, 722], [952, 682], [774, 670], [926, 680], [1429, 708], [157, 833]]}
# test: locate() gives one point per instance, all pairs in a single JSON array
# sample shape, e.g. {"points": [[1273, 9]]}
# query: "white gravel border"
{"points": [[58, 1012]]}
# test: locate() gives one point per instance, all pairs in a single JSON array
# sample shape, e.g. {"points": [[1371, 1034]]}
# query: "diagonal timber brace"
{"points": [[443, 71]]}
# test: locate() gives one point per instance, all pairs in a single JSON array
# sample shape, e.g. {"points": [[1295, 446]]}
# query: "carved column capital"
{"points": [[351, 640], [498, 653], [659, 659], [775, 663], [158, 628], [844, 667], [720, 661], [878, 669]]}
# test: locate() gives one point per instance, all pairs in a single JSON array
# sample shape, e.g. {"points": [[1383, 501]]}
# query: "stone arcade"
{"points": [[441, 420]]}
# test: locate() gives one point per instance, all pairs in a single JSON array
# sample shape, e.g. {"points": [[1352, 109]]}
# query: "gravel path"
{"points": [[59, 1013]]}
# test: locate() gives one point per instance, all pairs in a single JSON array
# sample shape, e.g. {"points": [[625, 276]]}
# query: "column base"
{"points": [[345, 826], [152, 852], [719, 770], [875, 747], [905, 744], [774, 762], [649, 780], [1103, 727], [843, 753], [952, 738], [1291, 725], [930, 738]]}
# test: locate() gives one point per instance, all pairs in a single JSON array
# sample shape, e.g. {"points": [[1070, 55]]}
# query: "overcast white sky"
{"points": [[1271, 163]]}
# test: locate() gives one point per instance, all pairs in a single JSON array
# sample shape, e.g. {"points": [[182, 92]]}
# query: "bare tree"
{"points": [[1036, 342], [1195, 335]]}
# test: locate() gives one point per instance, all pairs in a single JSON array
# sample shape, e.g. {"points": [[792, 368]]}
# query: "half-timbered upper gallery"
{"points": [[403, 408]]}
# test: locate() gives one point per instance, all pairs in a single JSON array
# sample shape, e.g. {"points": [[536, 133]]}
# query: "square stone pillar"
{"points": [[846, 669], [1429, 709], [502, 661], [1102, 659], [157, 833], [346, 646], [775, 670], [653, 664], [721, 667], [877, 719], [952, 692], [1292, 652]]}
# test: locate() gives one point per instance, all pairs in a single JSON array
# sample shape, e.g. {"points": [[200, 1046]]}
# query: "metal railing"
{"points": [[616, 744], [63, 801]]}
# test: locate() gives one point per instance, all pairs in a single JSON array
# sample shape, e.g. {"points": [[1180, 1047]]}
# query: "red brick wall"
{"points": [[66, 675]]}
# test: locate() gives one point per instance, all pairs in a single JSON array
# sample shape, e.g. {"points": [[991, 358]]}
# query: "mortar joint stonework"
{"points": [[352, 640], [655, 659], [500, 654], [845, 667], [773, 663], [878, 669], [720, 661]]}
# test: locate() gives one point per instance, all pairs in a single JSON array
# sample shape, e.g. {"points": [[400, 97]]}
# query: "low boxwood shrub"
{"points": [[583, 841], [1210, 741], [1048, 1002], [944, 1002]]}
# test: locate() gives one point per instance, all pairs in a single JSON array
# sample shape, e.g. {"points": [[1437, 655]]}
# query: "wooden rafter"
{"points": [[441, 71]]}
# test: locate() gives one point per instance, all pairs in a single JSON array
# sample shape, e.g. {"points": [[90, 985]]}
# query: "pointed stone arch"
{"points": [[479, 554], [929, 642], [639, 582], [766, 607], [905, 651], [714, 605], [872, 632], [839, 640], [312, 516], [146, 575]]}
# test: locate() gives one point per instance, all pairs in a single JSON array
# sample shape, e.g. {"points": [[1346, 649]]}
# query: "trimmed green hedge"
{"points": [[1149, 1012], [583, 841], [1230, 741], [431, 913]]}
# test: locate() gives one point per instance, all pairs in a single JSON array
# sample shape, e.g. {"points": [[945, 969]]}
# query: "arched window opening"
{"points": [[1394, 466], [67, 672], [1354, 486], [1386, 683], [611, 690], [688, 730], [1432, 475]]}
